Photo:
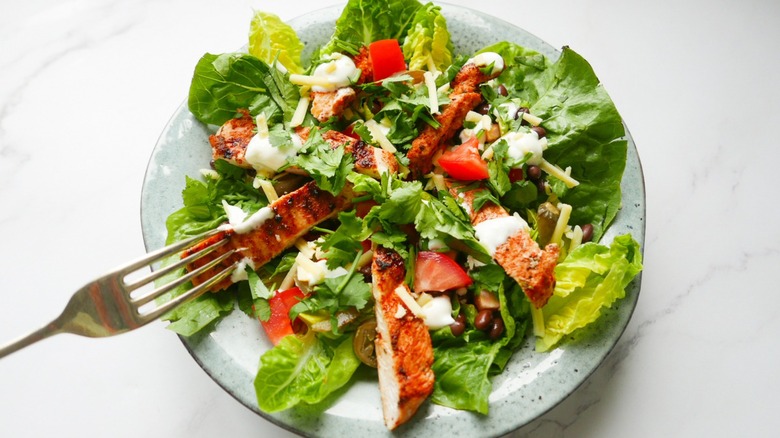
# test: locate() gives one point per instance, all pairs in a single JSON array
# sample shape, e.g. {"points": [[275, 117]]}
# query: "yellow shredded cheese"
{"points": [[365, 259], [300, 111], [433, 99], [558, 173], [532, 119], [408, 300], [379, 136], [267, 187], [563, 222], [311, 80], [289, 279], [304, 247]]}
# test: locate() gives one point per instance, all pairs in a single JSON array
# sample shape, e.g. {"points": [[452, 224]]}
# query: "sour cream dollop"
{"points": [[493, 233], [267, 158], [487, 59], [523, 143], [438, 312], [339, 72]]}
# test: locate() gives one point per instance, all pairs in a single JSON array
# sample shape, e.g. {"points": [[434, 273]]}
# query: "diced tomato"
{"points": [[386, 58], [279, 324], [464, 162], [434, 271], [515, 175]]}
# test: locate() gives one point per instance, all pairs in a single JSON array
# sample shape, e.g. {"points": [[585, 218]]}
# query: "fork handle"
{"points": [[42, 333]]}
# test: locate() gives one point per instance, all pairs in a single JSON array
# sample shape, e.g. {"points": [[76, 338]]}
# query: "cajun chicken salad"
{"points": [[396, 204]]}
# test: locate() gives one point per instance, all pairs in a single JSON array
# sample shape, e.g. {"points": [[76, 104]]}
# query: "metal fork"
{"points": [[107, 305]]}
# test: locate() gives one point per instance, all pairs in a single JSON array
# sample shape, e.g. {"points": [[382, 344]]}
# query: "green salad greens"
{"points": [[551, 151]]}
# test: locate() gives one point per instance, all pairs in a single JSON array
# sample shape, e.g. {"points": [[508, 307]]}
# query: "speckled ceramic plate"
{"points": [[532, 383]]}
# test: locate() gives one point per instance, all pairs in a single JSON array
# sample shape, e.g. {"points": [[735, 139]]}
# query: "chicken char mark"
{"points": [[294, 215], [403, 344]]}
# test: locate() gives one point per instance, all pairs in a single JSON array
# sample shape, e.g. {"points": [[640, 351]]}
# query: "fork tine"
{"points": [[173, 267], [166, 251], [190, 294], [140, 301]]}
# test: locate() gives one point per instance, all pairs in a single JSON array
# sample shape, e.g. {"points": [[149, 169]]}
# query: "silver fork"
{"points": [[107, 306]]}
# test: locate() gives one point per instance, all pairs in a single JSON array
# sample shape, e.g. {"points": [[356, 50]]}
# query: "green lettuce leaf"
{"points": [[365, 21], [303, 370], [272, 39], [589, 279], [584, 129], [428, 42]]}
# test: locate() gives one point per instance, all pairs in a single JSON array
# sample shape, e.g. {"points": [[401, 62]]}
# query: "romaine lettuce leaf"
{"points": [[303, 370], [223, 84], [365, 21], [428, 42], [590, 278], [271, 39], [584, 129]]}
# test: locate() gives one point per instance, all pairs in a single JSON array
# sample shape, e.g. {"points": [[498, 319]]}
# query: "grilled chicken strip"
{"points": [[327, 104], [232, 138], [290, 217], [403, 345], [465, 96], [369, 160], [520, 256]]}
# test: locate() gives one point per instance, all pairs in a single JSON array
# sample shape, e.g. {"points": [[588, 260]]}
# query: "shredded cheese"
{"points": [[310, 81], [305, 249], [365, 259], [558, 173], [563, 222], [488, 154], [268, 188], [262, 125], [379, 136], [300, 111], [289, 279], [433, 99], [532, 119], [408, 300], [575, 237]]}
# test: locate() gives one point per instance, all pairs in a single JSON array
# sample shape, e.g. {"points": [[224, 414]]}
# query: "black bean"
{"points": [[534, 173], [459, 326], [502, 90], [497, 328], [484, 319], [520, 112], [483, 108], [541, 132], [587, 232]]}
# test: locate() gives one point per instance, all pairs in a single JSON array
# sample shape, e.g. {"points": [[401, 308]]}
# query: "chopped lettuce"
{"points": [[428, 42], [591, 278], [271, 39], [303, 369], [365, 21]]}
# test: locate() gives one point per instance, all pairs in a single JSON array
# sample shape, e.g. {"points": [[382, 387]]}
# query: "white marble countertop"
{"points": [[86, 86]]}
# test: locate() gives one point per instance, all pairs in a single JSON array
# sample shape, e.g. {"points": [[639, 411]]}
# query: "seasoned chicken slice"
{"points": [[403, 345], [327, 104], [232, 138], [464, 97], [520, 256], [369, 160], [285, 220]]}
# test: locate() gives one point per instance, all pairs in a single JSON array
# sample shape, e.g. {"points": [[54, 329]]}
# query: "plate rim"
{"points": [[634, 286]]}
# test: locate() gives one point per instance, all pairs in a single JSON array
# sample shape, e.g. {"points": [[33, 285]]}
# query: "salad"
{"points": [[470, 190]]}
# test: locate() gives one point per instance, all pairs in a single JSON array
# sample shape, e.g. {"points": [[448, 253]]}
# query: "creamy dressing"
{"points": [[239, 274], [487, 59], [253, 222], [437, 312], [493, 233], [339, 72], [266, 158], [525, 143]]}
